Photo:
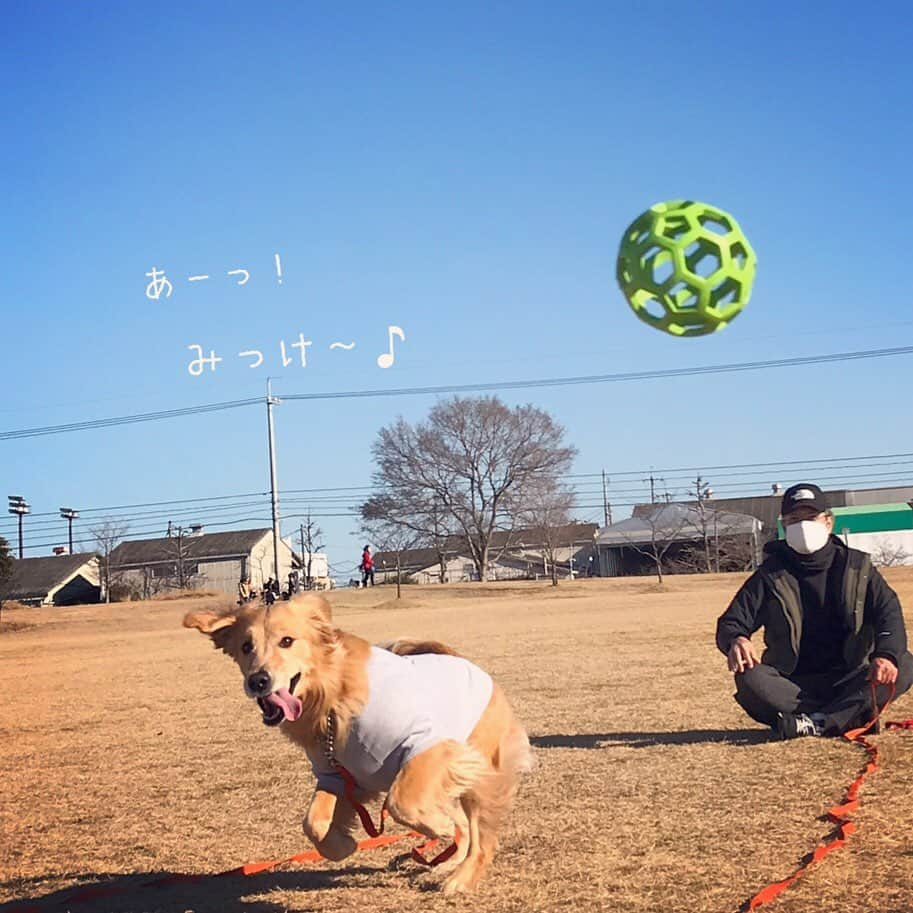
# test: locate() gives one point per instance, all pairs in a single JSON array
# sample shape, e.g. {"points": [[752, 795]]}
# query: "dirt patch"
{"points": [[10, 627]]}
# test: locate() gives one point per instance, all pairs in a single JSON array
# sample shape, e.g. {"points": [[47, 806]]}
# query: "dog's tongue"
{"points": [[287, 702]]}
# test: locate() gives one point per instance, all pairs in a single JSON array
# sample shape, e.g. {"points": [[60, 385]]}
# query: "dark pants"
{"points": [[366, 575], [844, 698]]}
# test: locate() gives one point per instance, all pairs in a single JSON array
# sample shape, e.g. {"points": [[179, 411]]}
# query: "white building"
{"points": [[211, 561], [57, 580]]}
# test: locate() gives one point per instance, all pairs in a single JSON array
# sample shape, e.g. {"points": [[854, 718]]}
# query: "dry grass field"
{"points": [[129, 751]]}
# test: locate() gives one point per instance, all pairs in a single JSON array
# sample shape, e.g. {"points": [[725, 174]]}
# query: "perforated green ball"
{"points": [[686, 268]]}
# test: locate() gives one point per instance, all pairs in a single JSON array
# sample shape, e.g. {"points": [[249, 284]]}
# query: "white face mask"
{"points": [[807, 537]]}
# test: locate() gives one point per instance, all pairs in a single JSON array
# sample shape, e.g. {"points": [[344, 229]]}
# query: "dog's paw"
{"points": [[316, 828], [337, 846], [462, 881]]}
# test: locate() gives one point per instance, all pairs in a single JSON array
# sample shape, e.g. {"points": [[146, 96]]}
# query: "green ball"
{"points": [[686, 268]]}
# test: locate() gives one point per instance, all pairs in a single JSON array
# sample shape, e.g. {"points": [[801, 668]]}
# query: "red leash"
{"points": [[375, 841], [375, 830], [350, 788], [838, 814], [94, 892]]}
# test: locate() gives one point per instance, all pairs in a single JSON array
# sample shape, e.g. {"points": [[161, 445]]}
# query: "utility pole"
{"points": [[181, 578], [18, 505], [69, 515], [606, 507], [274, 491], [716, 536], [653, 480], [652, 489], [304, 574], [311, 537]]}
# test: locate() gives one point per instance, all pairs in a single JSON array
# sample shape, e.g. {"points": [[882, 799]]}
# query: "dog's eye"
{"points": [[286, 642], [247, 646]]}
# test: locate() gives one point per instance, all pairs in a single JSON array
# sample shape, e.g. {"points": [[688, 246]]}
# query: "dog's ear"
{"points": [[217, 625], [209, 622], [321, 608], [313, 607], [317, 611]]}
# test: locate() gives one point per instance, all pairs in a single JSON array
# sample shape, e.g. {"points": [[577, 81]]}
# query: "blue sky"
{"points": [[464, 172]]}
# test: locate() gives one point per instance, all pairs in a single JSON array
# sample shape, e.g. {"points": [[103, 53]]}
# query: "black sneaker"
{"points": [[796, 725]]}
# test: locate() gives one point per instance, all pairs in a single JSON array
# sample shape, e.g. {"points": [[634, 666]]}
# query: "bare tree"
{"points": [[665, 525], [7, 564], [177, 549], [736, 551], [546, 513], [887, 554], [311, 541], [390, 537], [705, 519], [423, 521], [472, 458], [151, 585], [107, 535], [713, 540]]}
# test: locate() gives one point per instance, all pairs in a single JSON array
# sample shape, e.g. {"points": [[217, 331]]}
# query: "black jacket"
{"points": [[871, 616]]}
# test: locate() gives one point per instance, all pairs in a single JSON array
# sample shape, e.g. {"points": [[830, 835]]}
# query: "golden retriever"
{"points": [[315, 682]]}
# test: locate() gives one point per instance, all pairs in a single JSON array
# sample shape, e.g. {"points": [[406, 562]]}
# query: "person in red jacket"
{"points": [[367, 567]]}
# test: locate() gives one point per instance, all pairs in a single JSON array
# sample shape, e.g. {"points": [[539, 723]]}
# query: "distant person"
{"points": [[269, 592], [292, 582], [243, 590], [832, 626], [367, 567]]}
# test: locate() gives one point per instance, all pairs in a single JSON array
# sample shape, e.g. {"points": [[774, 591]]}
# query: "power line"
{"points": [[611, 378], [905, 476], [729, 480], [467, 388], [351, 496], [765, 465], [205, 514], [86, 510], [128, 419], [117, 513], [848, 470], [157, 531]]}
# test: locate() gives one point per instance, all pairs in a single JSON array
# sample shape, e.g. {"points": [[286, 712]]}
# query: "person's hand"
{"points": [[741, 655], [883, 671]]}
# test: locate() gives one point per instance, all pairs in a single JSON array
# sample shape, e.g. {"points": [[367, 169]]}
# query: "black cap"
{"points": [[803, 495]]}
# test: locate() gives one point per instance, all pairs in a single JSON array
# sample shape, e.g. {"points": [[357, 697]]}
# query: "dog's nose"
{"points": [[258, 682]]}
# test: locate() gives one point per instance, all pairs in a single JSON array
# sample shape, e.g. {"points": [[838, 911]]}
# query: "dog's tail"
{"points": [[405, 646], [497, 793], [516, 754]]}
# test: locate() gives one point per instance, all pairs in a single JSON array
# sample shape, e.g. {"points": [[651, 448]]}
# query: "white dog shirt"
{"points": [[414, 702]]}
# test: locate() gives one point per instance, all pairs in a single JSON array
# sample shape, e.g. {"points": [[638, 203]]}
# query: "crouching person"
{"points": [[832, 626]]}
